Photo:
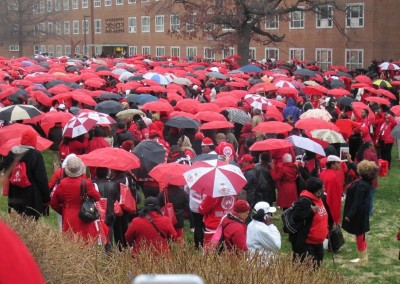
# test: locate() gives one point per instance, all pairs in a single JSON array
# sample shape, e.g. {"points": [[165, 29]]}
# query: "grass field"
{"points": [[383, 265]]}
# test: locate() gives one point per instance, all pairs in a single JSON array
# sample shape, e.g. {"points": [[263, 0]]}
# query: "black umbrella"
{"points": [[53, 83], [255, 81], [343, 74], [110, 96], [305, 72], [18, 96], [191, 75], [101, 67], [206, 157], [74, 110], [18, 112], [73, 68], [345, 101], [73, 85], [395, 132], [150, 154], [135, 78], [109, 107], [182, 122], [335, 84]]}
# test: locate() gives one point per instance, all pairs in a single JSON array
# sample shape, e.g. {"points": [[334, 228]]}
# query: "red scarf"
{"points": [[247, 168]]}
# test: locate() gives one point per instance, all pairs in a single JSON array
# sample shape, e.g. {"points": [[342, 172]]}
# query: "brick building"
{"points": [[106, 27]]}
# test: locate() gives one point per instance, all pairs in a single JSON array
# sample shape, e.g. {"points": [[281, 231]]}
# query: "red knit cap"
{"points": [[29, 138], [241, 206]]}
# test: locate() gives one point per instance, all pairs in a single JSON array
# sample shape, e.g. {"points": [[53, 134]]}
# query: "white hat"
{"points": [[74, 167], [333, 158], [264, 206], [195, 87], [61, 106]]}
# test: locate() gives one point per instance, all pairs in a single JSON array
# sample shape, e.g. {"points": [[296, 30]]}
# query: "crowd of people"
{"points": [[272, 175]]}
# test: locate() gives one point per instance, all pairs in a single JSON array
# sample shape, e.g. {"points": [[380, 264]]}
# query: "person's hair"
{"points": [[368, 170], [265, 158], [101, 172], [220, 136], [314, 184], [121, 124], [360, 153], [366, 111], [98, 132], [259, 215], [329, 165]]}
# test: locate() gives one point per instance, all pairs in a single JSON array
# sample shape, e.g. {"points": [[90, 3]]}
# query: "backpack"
{"points": [[19, 177], [289, 224]]}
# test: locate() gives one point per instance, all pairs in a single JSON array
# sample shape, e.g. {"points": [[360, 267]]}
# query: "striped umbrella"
{"points": [[18, 112], [78, 126]]}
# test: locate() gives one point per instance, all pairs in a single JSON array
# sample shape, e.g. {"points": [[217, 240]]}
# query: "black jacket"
{"points": [[108, 189], [180, 199], [302, 212]]}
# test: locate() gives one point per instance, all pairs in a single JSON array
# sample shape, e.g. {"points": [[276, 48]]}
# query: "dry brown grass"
{"points": [[65, 259]]}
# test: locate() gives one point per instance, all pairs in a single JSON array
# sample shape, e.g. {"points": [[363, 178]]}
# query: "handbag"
{"points": [[336, 239], [168, 209], [88, 211], [126, 200], [117, 209]]}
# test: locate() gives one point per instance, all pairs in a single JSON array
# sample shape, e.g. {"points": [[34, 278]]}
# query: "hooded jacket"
{"points": [[291, 109]]}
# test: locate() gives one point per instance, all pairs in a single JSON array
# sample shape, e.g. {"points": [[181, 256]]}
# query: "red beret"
{"points": [[127, 145], [241, 206], [246, 158]]}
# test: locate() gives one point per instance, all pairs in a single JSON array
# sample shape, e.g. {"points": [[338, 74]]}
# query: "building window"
{"points": [[36, 49], [67, 28], [50, 50], [160, 51], [42, 6], [324, 17], [145, 24], [57, 5], [175, 23], [77, 49], [159, 24], [97, 26], [67, 49], [131, 1], [49, 6], [98, 50], [175, 51], [190, 25], [132, 50], [43, 48], [58, 50], [13, 47], [145, 50], [272, 53], [252, 53], [85, 27], [50, 27], [119, 2], [42, 28], [58, 28], [107, 3], [296, 53], [75, 27], [208, 24], [85, 4], [132, 24], [66, 4], [191, 52], [209, 53], [12, 7], [323, 57], [354, 58], [228, 51], [75, 4], [226, 27], [297, 19], [145, 1], [97, 3], [355, 15], [272, 22]]}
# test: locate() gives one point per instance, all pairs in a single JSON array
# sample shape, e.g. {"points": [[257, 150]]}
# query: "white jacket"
{"points": [[263, 238]]}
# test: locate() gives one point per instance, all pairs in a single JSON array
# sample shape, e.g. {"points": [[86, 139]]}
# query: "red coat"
{"points": [[227, 149], [142, 234], [96, 143], [385, 129], [214, 209], [319, 226], [334, 189], [234, 233], [77, 147], [285, 177], [66, 200]]}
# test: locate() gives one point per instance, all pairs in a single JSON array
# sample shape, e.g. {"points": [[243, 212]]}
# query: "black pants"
{"points": [[386, 152], [120, 227], [198, 234], [314, 251]]}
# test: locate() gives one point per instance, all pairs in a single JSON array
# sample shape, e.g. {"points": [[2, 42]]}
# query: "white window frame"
{"points": [[175, 51], [66, 5], [43, 48], [146, 50], [226, 52], [58, 28], [50, 27], [191, 22], [324, 57], [67, 27], [75, 27], [107, 3], [13, 48], [209, 53], [36, 49], [145, 28], [42, 6], [96, 3], [67, 49], [175, 26], [272, 22], [57, 5], [159, 22], [75, 5], [85, 4], [293, 20], [160, 51], [85, 27], [42, 28], [271, 53], [98, 49], [58, 50], [49, 6], [354, 22], [252, 53], [77, 49], [191, 51], [119, 2], [324, 21], [50, 50], [294, 52], [132, 25], [131, 1], [132, 50], [97, 26], [353, 65]]}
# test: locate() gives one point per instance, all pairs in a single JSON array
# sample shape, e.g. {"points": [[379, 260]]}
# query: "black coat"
{"points": [[180, 199], [32, 199], [356, 208], [301, 211], [108, 189]]}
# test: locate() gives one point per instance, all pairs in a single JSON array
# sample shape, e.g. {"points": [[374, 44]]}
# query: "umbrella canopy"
{"points": [[112, 158], [396, 110], [209, 116], [378, 100], [389, 66], [182, 122], [141, 99], [395, 132], [216, 125], [18, 112], [110, 96], [272, 127], [158, 107], [129, 113], [304, 72], [270, 144], [315, 123], [382, 83], [150, 154], [345, 101], [78, 126], [170, 173], [238, 116], [306, 144], [359, 106], [257, 101], [317, 113], [217, 75], [49, 119], [328, 135], [101, 118], [161, 79], [109, 107], [250, 68], [215, 178]]}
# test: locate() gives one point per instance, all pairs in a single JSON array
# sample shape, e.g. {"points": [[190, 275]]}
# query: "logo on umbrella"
{"points": [[223, 188], [227, 202], [190, 179]]}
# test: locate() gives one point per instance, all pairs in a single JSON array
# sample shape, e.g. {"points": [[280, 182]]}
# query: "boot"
{"points": [[362, 257]]}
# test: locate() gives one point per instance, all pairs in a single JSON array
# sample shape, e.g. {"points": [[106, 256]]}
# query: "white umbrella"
{"points": [[328, 135], [306, 144], [317, 113]]}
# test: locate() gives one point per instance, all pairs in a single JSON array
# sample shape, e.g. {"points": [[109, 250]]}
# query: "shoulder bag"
{"points": [[168, 209], [88, 211]]}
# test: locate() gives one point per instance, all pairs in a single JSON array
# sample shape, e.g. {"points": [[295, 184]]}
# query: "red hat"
{"points": [[246, 158], [29, 138], [127, 145], [207, 142], [241, 206], [199, 136], [153, 132]]}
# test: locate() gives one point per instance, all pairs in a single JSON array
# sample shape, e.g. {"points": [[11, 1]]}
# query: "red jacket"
{"points": [[142, 234], [214, 209], [385, 129], [234, 231], [319, 227], [96, 143], [285, 177], [227, 149], [66, 200], [334, 190]]}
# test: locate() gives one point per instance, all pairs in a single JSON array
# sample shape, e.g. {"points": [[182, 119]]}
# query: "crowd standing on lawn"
{"points": [[231, 139]]}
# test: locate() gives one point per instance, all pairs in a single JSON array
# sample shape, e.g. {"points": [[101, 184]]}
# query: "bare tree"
{"points": [[24, 22], [235, 22]]}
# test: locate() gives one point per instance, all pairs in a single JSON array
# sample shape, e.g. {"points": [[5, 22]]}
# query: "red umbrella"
{"points": [[263, 87], [170, 173], [188, 105], [359, 106], [216, 125], [101, 118], [174, 96], [315, 90], [59, 89], [270, 144], [182, 113], [387, 93], [363, 79], [272, 127], [210, 116], [346, 126], [158, 107], [359, 85], [41, 98], [338, 92], [280, 104], [95, 82], [273, 112], [236, 84], [226, 102], [49, 119], [41, 144], [112, 158], [378, 100], [315, 123], [215, 178], [208, 107], [287, 91], [85, 99], [78, 126], [21, 83], [371, 90], [396, 110]]}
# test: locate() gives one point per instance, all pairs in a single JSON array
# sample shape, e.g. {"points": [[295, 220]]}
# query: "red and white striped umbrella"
{"points": [[389, 66], [78, 126], [100, 117], [257, 101], [284, 84], [215, 178]]}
